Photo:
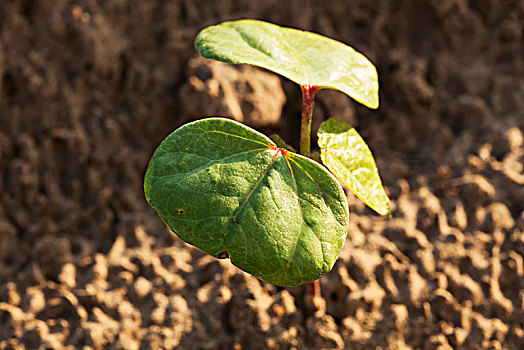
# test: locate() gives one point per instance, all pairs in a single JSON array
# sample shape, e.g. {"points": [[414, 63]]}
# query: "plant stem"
{"points": [[308, 96], [313, 288]]}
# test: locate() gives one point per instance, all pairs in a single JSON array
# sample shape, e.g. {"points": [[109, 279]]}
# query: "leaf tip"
{"points": [[374, 104], [372, 99], [385, 211]]}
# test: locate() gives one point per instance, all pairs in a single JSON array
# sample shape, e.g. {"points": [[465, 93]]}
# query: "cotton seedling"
{"points": [[236, 193]]}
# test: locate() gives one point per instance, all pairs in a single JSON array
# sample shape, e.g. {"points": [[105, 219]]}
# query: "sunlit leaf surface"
{"points": [[230, 191], [345, 153], [306, 58]]}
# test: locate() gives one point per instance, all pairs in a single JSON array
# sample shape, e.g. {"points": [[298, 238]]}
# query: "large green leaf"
{"points": [[345, 153], [306, 58], [228, 190]]}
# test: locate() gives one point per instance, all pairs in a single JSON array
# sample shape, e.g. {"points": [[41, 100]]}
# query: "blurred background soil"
{"points": [[89, 88]]}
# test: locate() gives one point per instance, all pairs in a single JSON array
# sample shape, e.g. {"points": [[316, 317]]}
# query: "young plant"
{"points": [[233, 192]]}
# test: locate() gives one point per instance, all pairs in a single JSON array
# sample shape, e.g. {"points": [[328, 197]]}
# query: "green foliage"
{"points": [[306, 58], [233, 192], [345, 153], [226, 188], [281, 143]]}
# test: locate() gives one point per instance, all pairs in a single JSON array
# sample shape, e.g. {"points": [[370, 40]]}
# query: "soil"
{"points": [[89, 88]]}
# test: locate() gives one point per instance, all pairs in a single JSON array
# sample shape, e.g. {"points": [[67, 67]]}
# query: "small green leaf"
{"points": [[306, 58], [279, 141], [345, 153], [229, 190]]}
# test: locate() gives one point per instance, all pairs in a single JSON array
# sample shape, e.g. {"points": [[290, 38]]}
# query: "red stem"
{"points": [[308, 96], [313, 288]]}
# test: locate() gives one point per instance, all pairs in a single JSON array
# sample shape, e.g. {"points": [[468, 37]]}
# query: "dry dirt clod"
{"points": [[244, 93]]}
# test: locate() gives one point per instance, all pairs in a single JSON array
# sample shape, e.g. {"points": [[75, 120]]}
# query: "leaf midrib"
{"points": [[248, 197]]}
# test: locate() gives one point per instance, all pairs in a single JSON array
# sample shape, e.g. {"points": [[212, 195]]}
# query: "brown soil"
{"points": [[89, 88]]}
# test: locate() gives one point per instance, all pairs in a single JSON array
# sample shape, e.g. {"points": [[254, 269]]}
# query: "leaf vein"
{"points": [[246, 199]]}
